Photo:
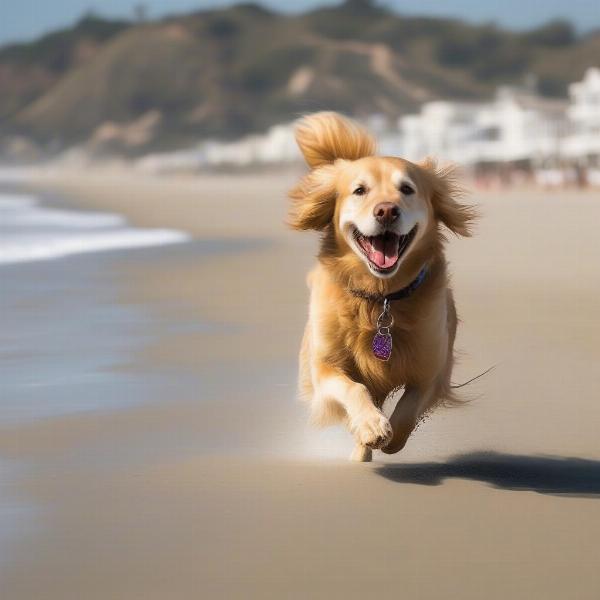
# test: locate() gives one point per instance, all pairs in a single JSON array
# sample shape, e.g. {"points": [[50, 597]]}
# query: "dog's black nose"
{"points": [[386, 212]]}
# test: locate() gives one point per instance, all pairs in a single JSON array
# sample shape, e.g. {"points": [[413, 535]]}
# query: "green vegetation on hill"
{"points": [[29, 70], [223, 73]]}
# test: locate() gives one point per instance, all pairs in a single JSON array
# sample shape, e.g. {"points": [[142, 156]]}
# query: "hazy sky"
{"points": [[25, 19]]}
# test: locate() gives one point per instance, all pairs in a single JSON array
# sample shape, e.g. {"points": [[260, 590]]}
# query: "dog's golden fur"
{"points": [[339, 374]]}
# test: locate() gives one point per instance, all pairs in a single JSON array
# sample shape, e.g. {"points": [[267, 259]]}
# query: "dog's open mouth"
{"points": [[385, 250]]}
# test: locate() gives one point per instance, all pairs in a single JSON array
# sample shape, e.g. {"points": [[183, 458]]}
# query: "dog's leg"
{"points": [[361, 453], [366, 422], [406, 414]]}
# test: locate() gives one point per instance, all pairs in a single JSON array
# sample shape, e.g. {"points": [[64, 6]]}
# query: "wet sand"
{"points": [[223, 492]]}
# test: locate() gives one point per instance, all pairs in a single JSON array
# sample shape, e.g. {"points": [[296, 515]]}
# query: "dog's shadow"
{"points": [[576, 477]]}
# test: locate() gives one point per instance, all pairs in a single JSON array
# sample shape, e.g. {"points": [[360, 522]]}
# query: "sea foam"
{"points": [[31, 232]]}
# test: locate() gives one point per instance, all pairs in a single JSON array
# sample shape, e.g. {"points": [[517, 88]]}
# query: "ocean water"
{"points": [[64, 334], [30, 231], [64, 331]]}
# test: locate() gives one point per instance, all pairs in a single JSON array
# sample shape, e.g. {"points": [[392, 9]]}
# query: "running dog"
{"points": [[381, 315]]}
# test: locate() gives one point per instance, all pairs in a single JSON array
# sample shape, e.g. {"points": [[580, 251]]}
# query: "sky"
{"points": [[22, 20]]}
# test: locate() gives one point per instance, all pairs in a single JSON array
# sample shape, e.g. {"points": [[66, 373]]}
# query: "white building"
{"points": [[555, 137], [444, 129], [516, 126], [584, 113], [276, 146]]}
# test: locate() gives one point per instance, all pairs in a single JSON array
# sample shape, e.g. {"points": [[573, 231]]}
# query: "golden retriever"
{"points": [[381, 311]]}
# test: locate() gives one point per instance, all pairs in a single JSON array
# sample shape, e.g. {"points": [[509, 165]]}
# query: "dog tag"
{"points": [[382, 344]]}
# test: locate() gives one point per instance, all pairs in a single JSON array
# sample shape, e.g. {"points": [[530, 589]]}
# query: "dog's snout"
{"points": [[386, 212]]}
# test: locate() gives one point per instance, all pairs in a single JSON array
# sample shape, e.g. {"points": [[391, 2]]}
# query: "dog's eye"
{"points": [[361, 190], [406, 189]]}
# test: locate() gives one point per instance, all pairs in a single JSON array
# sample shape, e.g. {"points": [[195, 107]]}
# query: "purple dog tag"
{"points": [[382, 345], [382, 342]]}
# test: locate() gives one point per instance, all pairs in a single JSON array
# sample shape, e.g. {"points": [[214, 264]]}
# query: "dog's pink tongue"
{"points": [[384, 251]]}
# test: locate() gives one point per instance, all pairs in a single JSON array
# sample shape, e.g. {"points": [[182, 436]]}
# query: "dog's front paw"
{"points": [[372, 429]]}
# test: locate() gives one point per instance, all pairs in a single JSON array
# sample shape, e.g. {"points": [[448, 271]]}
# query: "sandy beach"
{"points": [[217, 488]]}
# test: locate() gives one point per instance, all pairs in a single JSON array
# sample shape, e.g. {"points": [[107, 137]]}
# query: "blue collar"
{"points": [[405, 292], [400, 294]]}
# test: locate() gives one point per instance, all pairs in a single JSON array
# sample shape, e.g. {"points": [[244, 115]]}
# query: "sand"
{"points": [[229, 496]]}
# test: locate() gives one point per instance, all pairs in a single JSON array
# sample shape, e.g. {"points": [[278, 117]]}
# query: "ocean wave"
{"points": [[31, 232], [23, 210]]}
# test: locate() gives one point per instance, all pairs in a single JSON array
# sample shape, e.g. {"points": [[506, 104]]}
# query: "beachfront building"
{"points": [[516, 134], [583, 145], [277, 145], [529, 128], [274, 147], [516, 126], [443, 128]]}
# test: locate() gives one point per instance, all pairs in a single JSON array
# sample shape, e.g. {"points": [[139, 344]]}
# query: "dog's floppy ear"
{"points": [[445, 192], [313, 199], [324, 137]]}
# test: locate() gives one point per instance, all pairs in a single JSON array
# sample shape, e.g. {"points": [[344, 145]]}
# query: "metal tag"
{"points": [[382, 342], [382, 345]]}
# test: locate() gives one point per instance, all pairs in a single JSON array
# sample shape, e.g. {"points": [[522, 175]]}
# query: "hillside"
{"points": [[223, 73]]}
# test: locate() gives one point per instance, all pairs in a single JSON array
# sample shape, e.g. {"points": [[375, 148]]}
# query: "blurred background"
{"points": [[152, 301], [510, 89]]}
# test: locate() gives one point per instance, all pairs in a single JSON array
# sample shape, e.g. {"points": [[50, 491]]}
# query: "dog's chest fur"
{"points": [[419, 336]]}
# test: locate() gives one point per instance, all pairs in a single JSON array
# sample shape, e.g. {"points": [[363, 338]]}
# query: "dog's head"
{"points": [[376, 210]]}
